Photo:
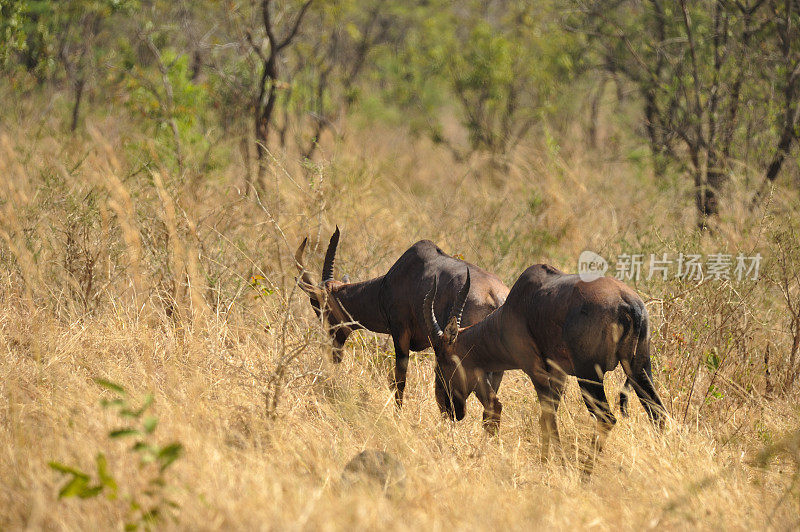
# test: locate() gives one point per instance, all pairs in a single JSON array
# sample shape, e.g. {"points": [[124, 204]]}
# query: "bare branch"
{"points": [[256, 48], [296, 26]]}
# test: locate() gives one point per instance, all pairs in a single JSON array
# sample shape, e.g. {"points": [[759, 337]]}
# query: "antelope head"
{"points": [[323, 296], [452, 386]]}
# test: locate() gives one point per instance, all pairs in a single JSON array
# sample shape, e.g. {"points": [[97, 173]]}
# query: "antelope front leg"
{"points": [[549, 390], [595, 398], [492, 407], [401, 348]]}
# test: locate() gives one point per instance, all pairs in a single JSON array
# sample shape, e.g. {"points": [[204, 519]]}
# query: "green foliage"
{"points": [[712, 360], [148, 506], [12, 30], [501, 64], [44, 34], [712, 77], [712, 95], [261, 286], [713, 394], [164, 99], [499, 67]]}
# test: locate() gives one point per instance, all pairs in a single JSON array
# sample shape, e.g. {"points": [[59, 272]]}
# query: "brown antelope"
{"points": [[392, 303], [550, 326]]}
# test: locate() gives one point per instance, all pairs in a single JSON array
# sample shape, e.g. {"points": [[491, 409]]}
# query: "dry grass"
{"points": [[131, 274]]}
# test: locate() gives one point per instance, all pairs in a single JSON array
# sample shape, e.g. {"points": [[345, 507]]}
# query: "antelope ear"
{"points": [[451, 330], [313, 291]]}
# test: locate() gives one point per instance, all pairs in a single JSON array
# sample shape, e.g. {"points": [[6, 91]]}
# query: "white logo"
{"points": [[591, 266]]}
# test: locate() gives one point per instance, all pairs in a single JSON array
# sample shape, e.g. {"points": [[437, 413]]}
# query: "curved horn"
{"points": [[298, 260], [461, 300], [430, 317], [454, 322], [330, 257]]}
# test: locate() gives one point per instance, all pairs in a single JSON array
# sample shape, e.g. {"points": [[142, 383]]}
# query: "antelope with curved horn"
{"points": [[550, 326], [392, 303]]}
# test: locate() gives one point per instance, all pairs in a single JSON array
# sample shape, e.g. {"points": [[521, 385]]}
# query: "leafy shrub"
{"points": [[148, 506]]}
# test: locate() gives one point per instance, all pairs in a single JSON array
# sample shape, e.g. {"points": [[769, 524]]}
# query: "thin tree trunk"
{"points": [[248, 164], [774, 168], [80, 84], [716, 177], [267, 89], [792, 108], [263, 119], [594, 112]]}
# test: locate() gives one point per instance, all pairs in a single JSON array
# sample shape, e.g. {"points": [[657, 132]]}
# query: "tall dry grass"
{"points": [[115, 267]]}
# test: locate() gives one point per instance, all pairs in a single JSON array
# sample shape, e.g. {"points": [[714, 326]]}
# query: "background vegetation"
{"points": [[160, 161]]}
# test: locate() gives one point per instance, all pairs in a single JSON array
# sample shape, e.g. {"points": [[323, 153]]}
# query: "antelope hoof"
{"points": [[491, 422], [492, 426]]}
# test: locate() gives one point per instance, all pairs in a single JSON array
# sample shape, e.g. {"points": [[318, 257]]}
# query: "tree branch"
{"points": [[296, 26]]}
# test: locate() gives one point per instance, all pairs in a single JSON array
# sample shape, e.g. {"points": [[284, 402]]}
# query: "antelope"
{"points": [[392, 304], [551, 325]]}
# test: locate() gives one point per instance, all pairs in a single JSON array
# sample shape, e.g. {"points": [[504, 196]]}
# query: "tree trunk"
{"points": [[594, 112], [80, 84], [248, 164], [784, 145], [263, 116], [716, 177], [657, 147]]}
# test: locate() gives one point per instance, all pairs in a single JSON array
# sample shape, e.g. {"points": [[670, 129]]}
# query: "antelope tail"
{"points": [[633, 321]]}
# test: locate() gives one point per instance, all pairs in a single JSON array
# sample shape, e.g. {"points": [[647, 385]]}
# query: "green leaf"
{"points": [[90, 491], [111, 386], [167, 455], [148, 400], [127, 412], [74, 487], [61, 468], [141, 446], [712, 394], [105, 476], [150, 424], [121, 433], [713, 360], [105, 403], [152, 515]]}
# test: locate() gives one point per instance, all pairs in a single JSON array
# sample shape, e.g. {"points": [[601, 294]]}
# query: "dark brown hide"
{"points": [[392, 304], [553, 325]]}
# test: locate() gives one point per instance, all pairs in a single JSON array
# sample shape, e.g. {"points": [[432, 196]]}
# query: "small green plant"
{"points": [[713, 394], [146, 506], [712, 360], [260, 284]]}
